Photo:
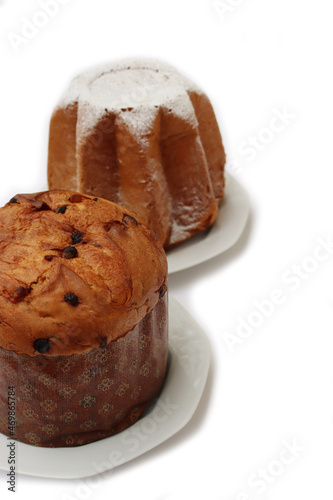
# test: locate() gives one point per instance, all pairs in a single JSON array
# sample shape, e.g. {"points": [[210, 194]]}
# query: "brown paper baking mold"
{"points": [[75, 400]]}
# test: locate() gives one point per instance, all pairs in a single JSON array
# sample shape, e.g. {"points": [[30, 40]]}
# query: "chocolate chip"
{"points": [[102, 345], [49, 257], [128, 219], [69, 253], [14, 200], [61, 210], [20, 293], [77, 238], [42, 345], [75, 198], [71, 298], [95, 199], [163, 291]]}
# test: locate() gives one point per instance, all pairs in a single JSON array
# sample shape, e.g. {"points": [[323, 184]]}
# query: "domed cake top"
{"points": [[75, 273]]}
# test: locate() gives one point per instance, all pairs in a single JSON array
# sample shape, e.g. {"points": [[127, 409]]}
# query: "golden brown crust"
{"points": [[62, 147], [212, 142], [75, 271]]}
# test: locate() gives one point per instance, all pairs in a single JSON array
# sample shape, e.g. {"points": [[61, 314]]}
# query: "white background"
{"points": [[257, 57]]}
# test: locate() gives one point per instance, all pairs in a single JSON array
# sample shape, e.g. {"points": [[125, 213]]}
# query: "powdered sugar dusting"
{"points": [[87, 118], [137, 87], [180, 232], [140, 121]]}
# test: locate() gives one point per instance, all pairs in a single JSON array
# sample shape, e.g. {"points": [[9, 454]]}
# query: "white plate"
{"points": [[223, 234], [188, 369]]}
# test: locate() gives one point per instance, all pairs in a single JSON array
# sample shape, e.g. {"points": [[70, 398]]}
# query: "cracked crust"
{"points": [[75, 271]]}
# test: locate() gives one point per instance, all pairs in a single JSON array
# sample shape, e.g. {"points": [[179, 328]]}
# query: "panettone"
{"points": [[83, 317], [140, 134]]}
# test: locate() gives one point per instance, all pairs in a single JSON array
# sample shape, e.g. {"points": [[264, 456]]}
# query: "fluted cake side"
{"points": [[140, 134]]}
